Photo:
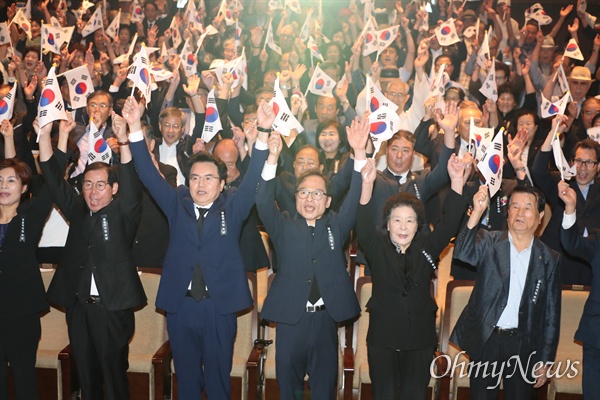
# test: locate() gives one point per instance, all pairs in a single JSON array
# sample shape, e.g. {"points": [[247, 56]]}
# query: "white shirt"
{"points": [[519, 265], [168, 155]]}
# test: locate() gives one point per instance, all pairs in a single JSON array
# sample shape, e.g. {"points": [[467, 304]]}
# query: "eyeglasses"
{"points": [[208, 179], [302, 164], [585, 163], [315, 194], [168, 126], [88, 185], [393, 95], [103, 106]]}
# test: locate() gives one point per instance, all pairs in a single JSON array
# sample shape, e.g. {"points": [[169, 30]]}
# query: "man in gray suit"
{"points": [[513, 315]]}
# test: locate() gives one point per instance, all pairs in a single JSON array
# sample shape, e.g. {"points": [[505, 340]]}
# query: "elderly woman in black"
{"points": [[401, 339], [22, 294]]}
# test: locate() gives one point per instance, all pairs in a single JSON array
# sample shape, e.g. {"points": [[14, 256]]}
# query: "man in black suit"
{"points": [[588, 249], [96, 280], [585, 183], [513, 314]]}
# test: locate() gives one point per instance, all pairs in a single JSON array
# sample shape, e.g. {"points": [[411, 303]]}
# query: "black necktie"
{"points": [[198, 290]]}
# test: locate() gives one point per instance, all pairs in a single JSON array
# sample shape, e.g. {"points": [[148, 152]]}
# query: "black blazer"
{"points": [[98, 242], [588, 249], [539, 313], [402, 311], [574, 270], [302, 255], [22, 291]]}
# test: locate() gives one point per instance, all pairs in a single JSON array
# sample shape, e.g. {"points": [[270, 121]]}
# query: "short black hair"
{"points": [[321, 156], [204, 157], [588, 144], [313, 172], [111, 171], [537, 193]]}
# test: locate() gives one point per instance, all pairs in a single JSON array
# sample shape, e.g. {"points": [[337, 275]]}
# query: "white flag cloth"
{"points": [[235, 67], [305, 30], [562, 79], [269, 41], [160, 73], [175, 34], [549, 109], [537, 13], [193, 16], [385, 37], [125, 56], [164, 53], [98, 149], [80, 86], [113, 28], [376, 99], [370, 38], [4, 34], [208, 31], [321, 84], [7, 104], [566, 171], [27, 9], [594, 133], [237, 34], [140, 73], [275, 5], [22, 22], [491, 164], [86, 5], [314, 49], [51, 38], [294, 5], [383, 124], [438, 87], [573, 51], [227, 11], [188, 59], [483, 55], [94, 23], [479, 140], [137, 12], [446, 33], [51, 105], [212, 121], [285, 121], [489, 88]]}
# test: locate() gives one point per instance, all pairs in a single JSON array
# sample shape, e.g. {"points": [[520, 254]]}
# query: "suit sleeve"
{"points": [[437, 178], [454, 208], [164, 194], [130, 193], [576, 245], [267, 209], [543, 179], [366, 229], [347, 214], [471, 245], [340, 183], [63, 195], [551, 329], [245, 195]]}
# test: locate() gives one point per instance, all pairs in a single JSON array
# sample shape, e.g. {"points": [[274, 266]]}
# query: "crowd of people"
{"points": [[205, 122]]}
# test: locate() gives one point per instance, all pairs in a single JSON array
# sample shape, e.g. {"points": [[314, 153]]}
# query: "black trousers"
{"points": [[19, 340], [399, 375], [500, 357], [591, 372], [100, 346], [309, 347]]}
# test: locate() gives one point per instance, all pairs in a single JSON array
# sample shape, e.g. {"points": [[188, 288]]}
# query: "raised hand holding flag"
{"points": [[489, 87], [212, 122], [446, 33], [321, 84], [285, 120], [80, 86], [549, 109], [572, 50], [492, 163], [7, 104], [139, 74]]}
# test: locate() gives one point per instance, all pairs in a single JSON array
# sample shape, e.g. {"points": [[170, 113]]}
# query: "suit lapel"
{"points": [[535, 274], [504, 261]]}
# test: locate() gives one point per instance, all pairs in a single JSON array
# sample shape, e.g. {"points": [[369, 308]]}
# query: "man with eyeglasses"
{"points": [[173, 148], [96, 280], [203, 282], [99, 107], [312, 291], [587, 187]]}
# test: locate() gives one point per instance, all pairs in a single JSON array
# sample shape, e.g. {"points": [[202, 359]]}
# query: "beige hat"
{"points": [[548, 43], [581, 74]]}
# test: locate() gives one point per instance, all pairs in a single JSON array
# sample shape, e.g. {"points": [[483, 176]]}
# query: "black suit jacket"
{"points": [[539, 312], [152, 237], [21, 288], [588, 249], [97, 243], [402, 311], [574, 270], [184, 152]]}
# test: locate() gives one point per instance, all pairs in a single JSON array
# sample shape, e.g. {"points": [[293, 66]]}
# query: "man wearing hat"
{"points": [[542, 59]]}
